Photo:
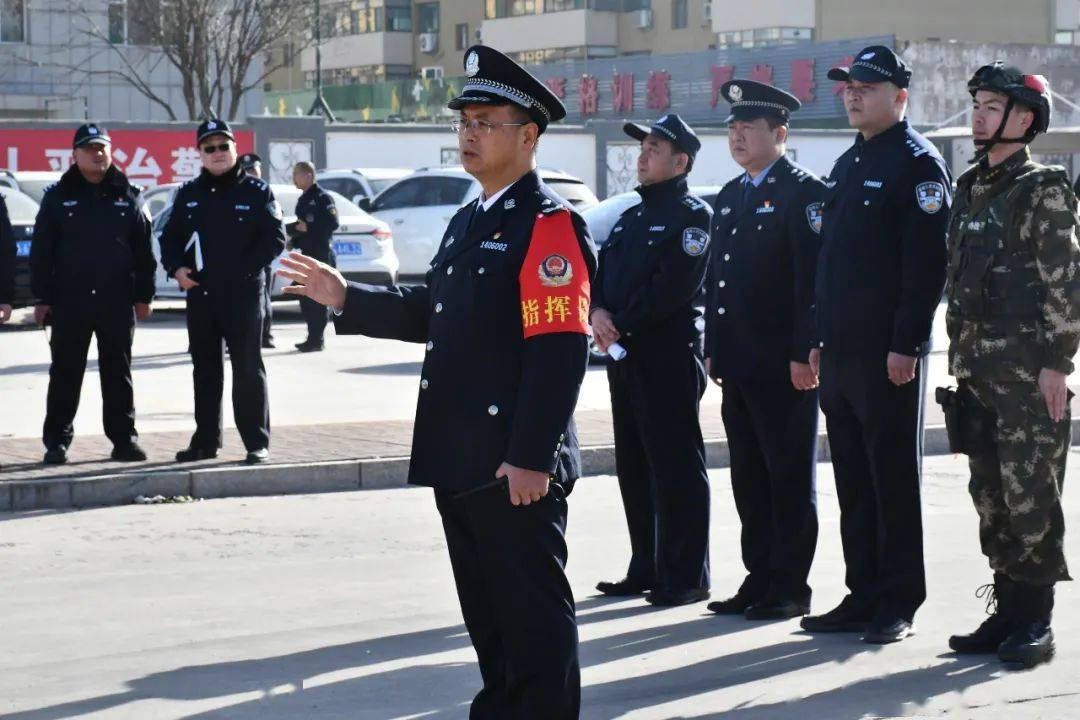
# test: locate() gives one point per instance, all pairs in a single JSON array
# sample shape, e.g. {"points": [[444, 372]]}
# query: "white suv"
{"points": [[360, 185], [419, 207]]}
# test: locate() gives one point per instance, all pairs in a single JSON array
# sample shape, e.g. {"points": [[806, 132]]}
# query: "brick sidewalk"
{"points": [[89, 456]]}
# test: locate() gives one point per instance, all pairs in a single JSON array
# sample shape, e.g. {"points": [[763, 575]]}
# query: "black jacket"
{"points": [[239, 225], [881, 271], [652, 266], [760, 286], [7, 256], [316, 208], [491, 390], [92, 241]]}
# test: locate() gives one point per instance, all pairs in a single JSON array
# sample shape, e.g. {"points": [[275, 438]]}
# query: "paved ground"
{"points": [[354, 401], [341, 607]]}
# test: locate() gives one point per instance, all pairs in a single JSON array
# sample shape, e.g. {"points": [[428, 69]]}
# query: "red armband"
{"points": [[554, 279]]}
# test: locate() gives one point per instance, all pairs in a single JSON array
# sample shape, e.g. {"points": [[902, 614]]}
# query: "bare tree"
{"points": [[220, 49]]}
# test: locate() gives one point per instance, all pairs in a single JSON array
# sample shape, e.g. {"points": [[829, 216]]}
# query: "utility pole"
{"points": [[320, 106]]}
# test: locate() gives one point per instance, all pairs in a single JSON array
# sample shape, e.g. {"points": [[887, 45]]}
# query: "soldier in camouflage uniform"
{"points": [[1014, 325]]}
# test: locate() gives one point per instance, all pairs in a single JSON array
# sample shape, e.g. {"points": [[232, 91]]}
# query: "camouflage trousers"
{"points": [[1016, 483]]}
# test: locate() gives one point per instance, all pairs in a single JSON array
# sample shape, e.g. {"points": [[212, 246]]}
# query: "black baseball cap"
{"points": [[213, 126], [751, 100], [91, 133], [249, 160], [672, 128], [494, 78], [875, 64]]}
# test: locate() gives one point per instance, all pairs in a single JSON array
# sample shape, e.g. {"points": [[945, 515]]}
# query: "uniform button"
{"points": [[424, 384], [821, 344], [865, 202], [493, 410], [449, 242], [733, 230], [450, 270], [438, 307], [639, 213], [480, 271], [93, 292], [758, 227], [857, 159], [722, 283], [721, 311], [727, 256], [213, 189], [430, 345]]}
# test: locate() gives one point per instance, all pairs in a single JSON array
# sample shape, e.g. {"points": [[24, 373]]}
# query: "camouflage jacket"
{"points": [[1014, 272]]}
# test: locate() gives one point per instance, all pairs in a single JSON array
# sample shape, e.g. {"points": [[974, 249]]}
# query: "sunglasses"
{"points": [[211, 149]]}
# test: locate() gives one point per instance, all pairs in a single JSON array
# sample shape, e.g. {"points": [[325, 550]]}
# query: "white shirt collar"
{"points": [[486, 204]]}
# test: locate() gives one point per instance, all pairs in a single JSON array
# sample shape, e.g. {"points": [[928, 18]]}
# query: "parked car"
{"points": [[29, 182], [23, 210], [360, 185], [419, 207], [363, 244], [159, 197]]}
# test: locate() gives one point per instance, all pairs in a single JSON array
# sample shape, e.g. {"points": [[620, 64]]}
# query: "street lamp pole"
{"points": [[320, 106]]}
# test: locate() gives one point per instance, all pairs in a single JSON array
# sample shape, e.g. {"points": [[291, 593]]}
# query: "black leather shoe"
{"points": [[885, 629], [734, 605], [255, 457], [268, 344], [773, 609], [625, 588], [128, 453], [194, 454], [56, 455], [675, 598], [845, 617], [308, 346]]}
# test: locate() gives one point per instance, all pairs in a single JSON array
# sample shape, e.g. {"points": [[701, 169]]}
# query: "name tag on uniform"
{"points": [[71, 203], [122, 203], [489, 245], [658, 228], [243, 207], [193, 203], [876, 184], [976, 225], [765, 209]]}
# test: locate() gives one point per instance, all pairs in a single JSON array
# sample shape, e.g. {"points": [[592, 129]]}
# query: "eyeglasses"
{"points": [[211, 149], [458, 126]]}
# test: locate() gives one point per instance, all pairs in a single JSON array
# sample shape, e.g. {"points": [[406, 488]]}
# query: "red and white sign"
{"points": [[147, 157]]}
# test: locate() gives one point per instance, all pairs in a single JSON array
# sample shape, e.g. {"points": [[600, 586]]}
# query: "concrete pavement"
{"points": [[341, 606]]}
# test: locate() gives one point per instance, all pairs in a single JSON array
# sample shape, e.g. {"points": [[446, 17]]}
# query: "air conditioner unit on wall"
{"points": [[429, 42], [644, 19]]}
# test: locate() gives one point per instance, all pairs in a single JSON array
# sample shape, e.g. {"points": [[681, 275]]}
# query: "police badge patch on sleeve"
{"points": [[813, 216], [694, 241], [931, 196], [275, 209]]}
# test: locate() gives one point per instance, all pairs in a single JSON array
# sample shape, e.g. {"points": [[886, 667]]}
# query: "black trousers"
{"points": [[509, 567], [268, 308], [660, 460], [72, 326], [232, 315], [772, 440], [875, 438], [316, 314]]}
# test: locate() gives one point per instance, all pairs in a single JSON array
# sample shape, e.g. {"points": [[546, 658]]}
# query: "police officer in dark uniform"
{"points": [[880, 276], [252, 165], [758, 337], [92, 271], [8, 251], [648, 299], [313, 234], [504, 315], [224, 231]]}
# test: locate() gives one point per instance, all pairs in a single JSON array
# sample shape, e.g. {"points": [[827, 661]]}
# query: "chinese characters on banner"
{"points": [[147, 157], [658, 85]]}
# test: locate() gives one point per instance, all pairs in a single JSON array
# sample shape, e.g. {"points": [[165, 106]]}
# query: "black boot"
{"points": [[994, 629], [1031, 642]]}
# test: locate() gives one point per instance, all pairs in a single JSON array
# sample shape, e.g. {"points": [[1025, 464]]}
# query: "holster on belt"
{"points": [[969, 426]]}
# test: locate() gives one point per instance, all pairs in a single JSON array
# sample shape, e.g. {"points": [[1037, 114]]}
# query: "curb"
{"points": [[304, 478]]}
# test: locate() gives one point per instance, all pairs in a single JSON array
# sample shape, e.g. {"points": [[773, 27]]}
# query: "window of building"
{"points": [[117, 21], [764, 37], [140, 22], [427, 15], [399, 18], [628, 5], [461, 36], [508, 8], [560, 5], [1067, 37], [680, 14], [13, 21]]}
